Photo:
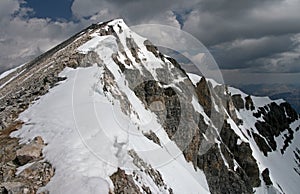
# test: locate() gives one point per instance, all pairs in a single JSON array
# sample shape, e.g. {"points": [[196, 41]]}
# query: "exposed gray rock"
{"points": [[274, 123], [151, 48], [238, 101], [249, 103], [29, 152], [242, 153], [297, 160], [152, 136], [36, 174], [266, 177], [18, 188], [231, 109], [262, 144], [149, 171], [204, 95], [124, 183], [220, 179]]}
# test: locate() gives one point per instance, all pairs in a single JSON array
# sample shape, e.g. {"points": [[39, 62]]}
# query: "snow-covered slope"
{"points": [[86, 144], [282, 161], [116, 115], [88, 135]]}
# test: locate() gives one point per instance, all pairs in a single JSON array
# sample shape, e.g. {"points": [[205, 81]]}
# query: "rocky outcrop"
{"points": [[274, 123], [204, 95], [231, 109], [238, 101], [130, 43], [22, 166], [133, 183], [221, 179], [266, 177], [151, 48], [262, 144], [124, 183], [297, 160], [29, 152], [152, 136], [149, 171], [242, 153], [249, 103]]}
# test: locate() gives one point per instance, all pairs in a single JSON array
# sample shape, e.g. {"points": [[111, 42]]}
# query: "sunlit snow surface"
{"points": [[88, 136]]}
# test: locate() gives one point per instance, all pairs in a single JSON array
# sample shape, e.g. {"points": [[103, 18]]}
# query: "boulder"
{"points": [[29, 152]]}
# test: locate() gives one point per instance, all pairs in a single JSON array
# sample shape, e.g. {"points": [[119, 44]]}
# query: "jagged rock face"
{"points": [[204, 95], [275, 122], [219, 177], [228, 135], [245, 178], [242, 154], [276, 118], [271, 134]]}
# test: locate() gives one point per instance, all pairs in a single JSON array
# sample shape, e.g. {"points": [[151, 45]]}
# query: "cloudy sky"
{"points": [[253, 41]]}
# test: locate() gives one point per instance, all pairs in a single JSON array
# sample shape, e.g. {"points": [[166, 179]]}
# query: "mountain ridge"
{"points": [[218, 137]]}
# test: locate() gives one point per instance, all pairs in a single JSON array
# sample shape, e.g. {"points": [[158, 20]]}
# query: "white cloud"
{"points": [[166, 18], [8, 7], [22, 38], [87, 8]]}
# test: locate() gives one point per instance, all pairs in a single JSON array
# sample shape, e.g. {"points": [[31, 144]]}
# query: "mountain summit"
{"points": [[107, 112]]}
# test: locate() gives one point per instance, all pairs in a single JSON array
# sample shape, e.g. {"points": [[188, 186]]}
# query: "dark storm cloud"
{"points": [[237, 54], [215, 21], [277, 63]]}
